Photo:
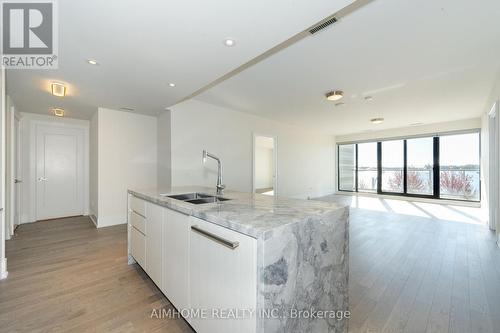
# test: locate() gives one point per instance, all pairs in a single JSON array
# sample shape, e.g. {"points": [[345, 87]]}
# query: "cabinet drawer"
{"points": [[138, 246], [138, 205], [138, 221]]}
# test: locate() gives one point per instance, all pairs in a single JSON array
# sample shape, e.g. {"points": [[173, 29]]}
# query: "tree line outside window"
{"points": [[444, 167]]}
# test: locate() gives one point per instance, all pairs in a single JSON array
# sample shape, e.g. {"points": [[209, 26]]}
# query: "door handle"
{"points": [[218, 239], [42, 179]]}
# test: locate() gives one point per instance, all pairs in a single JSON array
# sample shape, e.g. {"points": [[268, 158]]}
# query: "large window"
{"points": [[393, 166], [367, 167], [347, 167], [445, 166], [420, 166], [459, 166]]}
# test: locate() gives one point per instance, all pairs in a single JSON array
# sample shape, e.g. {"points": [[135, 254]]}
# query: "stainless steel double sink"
{"points": [[197, 198]]}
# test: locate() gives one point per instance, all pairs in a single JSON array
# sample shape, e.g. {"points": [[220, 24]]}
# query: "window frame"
{"points": [[436, 166]]}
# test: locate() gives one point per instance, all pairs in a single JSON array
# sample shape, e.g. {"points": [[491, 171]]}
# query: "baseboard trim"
{"points": [[93, 218], [3, 269]]}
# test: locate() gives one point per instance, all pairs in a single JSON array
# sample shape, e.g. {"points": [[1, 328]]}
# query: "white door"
{"points": [[17, 172], [59, 171]]}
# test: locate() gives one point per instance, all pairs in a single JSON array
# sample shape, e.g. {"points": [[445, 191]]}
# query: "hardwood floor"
{"points": [[421, 274], [67, 276], [408, 274]]}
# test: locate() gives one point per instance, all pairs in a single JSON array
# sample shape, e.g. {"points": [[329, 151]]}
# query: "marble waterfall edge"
{"points": [[304, 271]]}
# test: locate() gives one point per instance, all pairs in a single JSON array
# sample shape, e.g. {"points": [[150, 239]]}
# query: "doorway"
{"points": [[265, 178], [59, 178]]}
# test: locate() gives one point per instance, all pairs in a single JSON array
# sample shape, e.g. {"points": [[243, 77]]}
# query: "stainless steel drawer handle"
{"points": [[220, 240]]}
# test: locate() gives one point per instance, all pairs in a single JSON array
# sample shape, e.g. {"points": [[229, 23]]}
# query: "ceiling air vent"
{"points": [[322, 25]]}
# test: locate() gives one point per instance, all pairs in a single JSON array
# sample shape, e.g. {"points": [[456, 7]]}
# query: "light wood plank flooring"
{"points": [[66, 276], [408, 274]]}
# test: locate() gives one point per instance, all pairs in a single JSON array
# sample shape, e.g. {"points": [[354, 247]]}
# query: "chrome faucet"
{"points": [[220, 187]]}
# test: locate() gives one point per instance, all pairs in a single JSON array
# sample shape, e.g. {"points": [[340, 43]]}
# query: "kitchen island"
{"points": [[253, 263]]}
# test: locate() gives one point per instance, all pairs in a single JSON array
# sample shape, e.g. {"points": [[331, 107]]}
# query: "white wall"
{"points": [[93, 167], [305, 159], [28, 159], [263, 167], [164, 156], [127, 158], [3, 260], [485, 148], [429, 129]]}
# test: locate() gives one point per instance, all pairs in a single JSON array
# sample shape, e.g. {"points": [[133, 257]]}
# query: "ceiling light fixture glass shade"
{"points": [[58, 89], [377, 120], [58, 112], [229, 42], [92, 61], [334, 95], [171, 84]]}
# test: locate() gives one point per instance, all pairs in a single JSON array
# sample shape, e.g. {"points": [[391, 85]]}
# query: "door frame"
{"points": [[30, 148], [275, 160], [494, 161], [12, 171], [18, 171]]}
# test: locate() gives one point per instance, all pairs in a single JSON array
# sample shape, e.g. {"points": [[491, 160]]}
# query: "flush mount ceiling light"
{"points": [[171, 84], [334, 95], [229, 42], [58, 89], [377, 120], [92, 62], [58, 112]]}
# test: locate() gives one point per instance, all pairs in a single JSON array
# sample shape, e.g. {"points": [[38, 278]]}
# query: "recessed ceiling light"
{"points": [[334, 95], [58, 89], [59, 112], [229, 42], [339, 104], [92, 62], [368, 98], [377, 120], [171, 84]]}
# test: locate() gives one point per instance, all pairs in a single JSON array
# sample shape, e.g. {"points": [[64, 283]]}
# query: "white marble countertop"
{"points": [[248, 213]]}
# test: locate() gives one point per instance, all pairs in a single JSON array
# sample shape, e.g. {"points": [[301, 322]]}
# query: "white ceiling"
{"points": [[423, 61], [142, 46]]}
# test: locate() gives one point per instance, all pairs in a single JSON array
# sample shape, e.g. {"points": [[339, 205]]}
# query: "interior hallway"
{"points": [[406, 272]]}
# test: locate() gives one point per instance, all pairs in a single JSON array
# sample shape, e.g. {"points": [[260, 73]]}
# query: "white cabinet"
{"points": [[137, 245], [176, 258], [222, 276], [154, 242], [137, 230]]}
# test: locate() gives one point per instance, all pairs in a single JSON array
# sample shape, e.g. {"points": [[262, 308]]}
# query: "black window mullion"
{"points": [[436, 168], [356, 168], [379, 167], [405, 167]]}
